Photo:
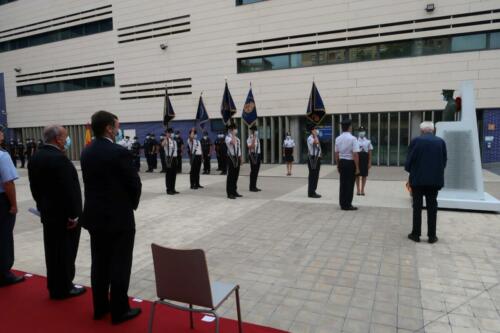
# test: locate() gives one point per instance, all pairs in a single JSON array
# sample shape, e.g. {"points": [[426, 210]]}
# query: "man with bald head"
{"points": [[56, 189]]}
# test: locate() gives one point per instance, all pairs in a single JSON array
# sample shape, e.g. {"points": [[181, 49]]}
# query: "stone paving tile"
{"points": [[306, 266]]}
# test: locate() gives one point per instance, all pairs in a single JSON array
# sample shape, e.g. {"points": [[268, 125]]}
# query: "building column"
{"points": [[280, 138], [295, 133], [273, 140]]}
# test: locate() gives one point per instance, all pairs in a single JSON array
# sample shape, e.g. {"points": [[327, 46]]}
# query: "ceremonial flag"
{"points": [[168, 110], [88, 135], [227, 108], [315, 109], [249, 114], [201, 114]]}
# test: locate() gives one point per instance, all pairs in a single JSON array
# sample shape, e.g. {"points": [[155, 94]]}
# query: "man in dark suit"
{"points": [[426, 162], [112, 193], [56, 189]]}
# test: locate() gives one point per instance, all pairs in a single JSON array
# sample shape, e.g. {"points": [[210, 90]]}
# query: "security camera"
{"points": [[164, 46], [17, 69]]}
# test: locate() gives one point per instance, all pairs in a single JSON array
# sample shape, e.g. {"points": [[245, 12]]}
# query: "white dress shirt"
{"points": [[255, 149], [346, 145], [289, 143], [197, 146], [170, 147], [233, 150], [365, 145], [314, 149]]}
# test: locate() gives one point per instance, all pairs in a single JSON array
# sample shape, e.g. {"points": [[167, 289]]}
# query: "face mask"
{"points": [[256, 133], [67, 144], [205, 137], [235, 132], [362, 134], [289, 138], [147, 137]]}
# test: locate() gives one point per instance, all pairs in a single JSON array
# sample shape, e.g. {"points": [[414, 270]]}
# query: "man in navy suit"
{"points": [[426, 162], [112, 193]]}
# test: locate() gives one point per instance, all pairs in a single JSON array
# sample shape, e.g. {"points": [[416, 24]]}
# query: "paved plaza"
{"points": [[306, 266]]}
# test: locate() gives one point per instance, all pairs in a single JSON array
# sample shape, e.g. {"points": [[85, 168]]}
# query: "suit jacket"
{"points": [[54, 185], [112, 187], [426, 161]]}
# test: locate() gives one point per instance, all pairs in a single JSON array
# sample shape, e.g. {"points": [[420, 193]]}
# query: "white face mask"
{"points": [[256, 133], [205, 137], [235, 132], [362, 134], [289, 138]]}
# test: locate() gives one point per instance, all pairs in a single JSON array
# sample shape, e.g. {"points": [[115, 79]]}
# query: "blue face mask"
{"points": [[67, 144]]}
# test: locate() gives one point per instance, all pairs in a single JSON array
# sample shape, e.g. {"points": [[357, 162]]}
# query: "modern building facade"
{"points": [[382, 63]]}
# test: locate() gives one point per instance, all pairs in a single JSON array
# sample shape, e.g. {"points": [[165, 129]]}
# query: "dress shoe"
{"points": [[315, 196], [433, 240], [238, 195], [100, 315], [414, 238], [130, 314], [10, 280], [199, 186], [163, 171], [193, 187], [223, 173], [74, 292], [170, 193], [350, 208], [175, 192], [253, 190], [231, 196]]}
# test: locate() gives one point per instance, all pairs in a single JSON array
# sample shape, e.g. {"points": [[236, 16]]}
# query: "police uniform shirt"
{"points": [[170, 147], [255, 149], [314, 149], [233, 150], [346, 144], [197, 146], [7, 170], [365, 145]]}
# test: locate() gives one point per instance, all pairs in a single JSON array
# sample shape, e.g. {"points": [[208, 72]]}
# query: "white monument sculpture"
{"points": [[463, 176]]}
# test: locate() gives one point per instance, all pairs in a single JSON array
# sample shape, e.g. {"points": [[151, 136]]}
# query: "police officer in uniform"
{"points": [[253, 144], [13, 151], [169, 146], [136, 153], [313, 162], [180, 148], [347, 158], [21, 152], [233, 146], [195, 154], [8, 212], [161, 151], [206, 149]]}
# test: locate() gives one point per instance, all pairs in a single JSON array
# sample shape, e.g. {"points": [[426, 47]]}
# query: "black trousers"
{"points": [[110, 273], [14, 160], [219, 162], [347, 170], [223, 163], [148, 161], [163, 161], [179, 162], [171, 175], [23, 161], [232, 177], [137, 162], [7, 222], [430, 193], [312, 184], [61, 248], [206, 163], [154, 161], [194, 173], [254, 173]]}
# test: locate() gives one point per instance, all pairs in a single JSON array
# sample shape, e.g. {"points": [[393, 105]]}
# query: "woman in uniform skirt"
{"points": [[288, 146], [365, 160]]}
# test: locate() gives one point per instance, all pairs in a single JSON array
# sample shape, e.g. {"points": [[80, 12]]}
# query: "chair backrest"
{"points": [[182, 276]]}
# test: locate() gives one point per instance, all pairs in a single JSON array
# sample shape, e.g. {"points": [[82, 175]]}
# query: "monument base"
{"points": [[451, 200]]}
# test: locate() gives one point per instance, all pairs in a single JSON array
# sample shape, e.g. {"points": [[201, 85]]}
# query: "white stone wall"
{"points": [[208, 53]]}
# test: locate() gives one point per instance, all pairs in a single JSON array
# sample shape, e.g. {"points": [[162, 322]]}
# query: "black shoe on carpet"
{"points": [[130, 314]]}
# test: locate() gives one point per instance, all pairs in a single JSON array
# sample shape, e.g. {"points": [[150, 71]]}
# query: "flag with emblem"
{"points": [[201, 114], [227, 108], [249, 114], [168, 110], [315, 109]]}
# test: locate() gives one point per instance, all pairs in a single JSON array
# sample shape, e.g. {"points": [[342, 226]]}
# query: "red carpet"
{"points": [[26, 307]]}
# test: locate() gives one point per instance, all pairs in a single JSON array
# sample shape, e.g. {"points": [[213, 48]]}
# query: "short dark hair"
{"points": [[345, 127], [100, 120]]}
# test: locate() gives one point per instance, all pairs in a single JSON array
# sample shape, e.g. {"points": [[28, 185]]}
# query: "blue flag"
{"points": [[201, 114], [227, 108], [315, 109], [249, 114], [168, 110]]}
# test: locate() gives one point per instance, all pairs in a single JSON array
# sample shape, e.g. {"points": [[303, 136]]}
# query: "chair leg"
{"points": [[151, 317], [238, 309], [216, 322], [191, 316]]}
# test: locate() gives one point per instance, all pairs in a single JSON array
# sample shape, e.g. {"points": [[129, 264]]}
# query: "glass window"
{"points": [[430, 46], [52, 87], [384, 138], [468, 42], [322, 57], [91, 28], [250, 65], [395, 50], [76, 31], [495, 40], [276, 62], [304, 59], [93, 82], [106, 25], [393, 138], [404, 136], [373, 136], [108, 81], [363, 53], [336, 56], [246, 2]]}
